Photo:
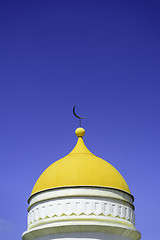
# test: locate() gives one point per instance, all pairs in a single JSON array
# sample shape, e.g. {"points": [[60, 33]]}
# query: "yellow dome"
{"points": [[80, 168]]}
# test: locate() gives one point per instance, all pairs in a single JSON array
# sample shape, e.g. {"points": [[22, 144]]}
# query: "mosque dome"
{"points": [[80, 168]]}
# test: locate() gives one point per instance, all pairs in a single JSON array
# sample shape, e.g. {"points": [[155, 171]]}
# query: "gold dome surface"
{"points": [[80, 168]]}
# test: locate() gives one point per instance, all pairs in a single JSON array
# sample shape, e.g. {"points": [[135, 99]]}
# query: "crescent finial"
{"points": [[80, 118]]}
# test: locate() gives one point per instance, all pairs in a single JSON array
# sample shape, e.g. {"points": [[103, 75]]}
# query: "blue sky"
{"points": [[103, 56]]}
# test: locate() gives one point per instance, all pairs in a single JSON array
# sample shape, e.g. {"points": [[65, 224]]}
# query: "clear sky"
{"points": [[103, 56]]}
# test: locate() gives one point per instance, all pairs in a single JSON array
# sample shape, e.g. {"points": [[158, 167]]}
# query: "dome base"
{"points": [[80, 210], [82, 230]]}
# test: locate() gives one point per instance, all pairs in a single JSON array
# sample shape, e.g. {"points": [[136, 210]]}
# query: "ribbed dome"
{"points": [[80, 168]]}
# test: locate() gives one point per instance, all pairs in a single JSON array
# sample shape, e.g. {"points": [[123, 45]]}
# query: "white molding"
{"points": [[80, 191], [62, 229], [80, 208]]}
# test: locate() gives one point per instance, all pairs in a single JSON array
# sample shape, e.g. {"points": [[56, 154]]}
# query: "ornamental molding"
{"points": [[80, 192], [80, 208], [78, 229]]}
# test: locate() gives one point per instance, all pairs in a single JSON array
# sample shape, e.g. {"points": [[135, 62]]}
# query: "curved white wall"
{"points": [[81, 209]]}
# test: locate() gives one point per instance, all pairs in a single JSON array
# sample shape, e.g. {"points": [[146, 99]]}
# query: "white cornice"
{"points": [[81, 209]]}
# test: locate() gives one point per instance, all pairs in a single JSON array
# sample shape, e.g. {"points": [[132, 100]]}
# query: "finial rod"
{"points": [[80, 118]]}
